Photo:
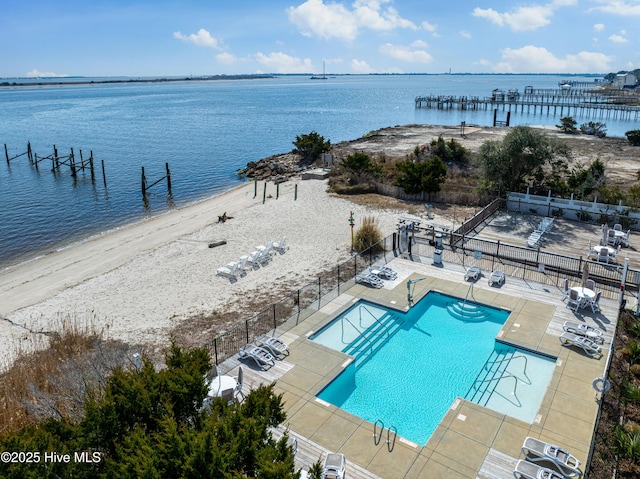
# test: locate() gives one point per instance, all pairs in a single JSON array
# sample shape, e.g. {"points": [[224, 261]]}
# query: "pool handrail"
{"points": [[504, 376], [360, 333], [511, 358], [361, 307]]}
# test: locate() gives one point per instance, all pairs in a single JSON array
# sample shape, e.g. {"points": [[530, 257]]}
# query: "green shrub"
{"points": [[634, 137], [626, 445]]}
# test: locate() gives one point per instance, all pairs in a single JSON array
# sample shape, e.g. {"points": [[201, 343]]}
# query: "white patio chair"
{"points": [[529, 470], [583, 330], [594, 303], [497, 277], [231, 271], [625, 239], [239, 381], [281, 246], [473, 272], [617, 227], [590, 284], [574, 301], [603, 256], [335, 466], [260, 356], [589, 346], [611, 238]]}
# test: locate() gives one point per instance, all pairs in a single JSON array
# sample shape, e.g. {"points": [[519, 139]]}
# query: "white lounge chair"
{"points": [[231, 271], [574, 301], [528, 470], [497, 277], [384, 272], [588, 345], [265, 253], [594, 303], [263, 358], [335, 466], [281, 246], [273, 344], [253, 259], [582, 329], [473, 272], [370, 279], [536, 450]]}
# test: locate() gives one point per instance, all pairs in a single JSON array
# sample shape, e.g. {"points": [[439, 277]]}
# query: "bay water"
{"points": [[204, 130]]}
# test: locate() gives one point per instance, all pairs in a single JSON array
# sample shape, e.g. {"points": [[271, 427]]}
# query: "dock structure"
{"points": [[564, 102]]}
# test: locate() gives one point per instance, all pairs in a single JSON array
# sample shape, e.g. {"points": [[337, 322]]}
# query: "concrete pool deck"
{"points": [[471, 441]]}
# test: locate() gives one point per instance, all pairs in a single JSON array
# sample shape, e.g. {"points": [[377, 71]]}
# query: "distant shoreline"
{"points": [[82, 81]]}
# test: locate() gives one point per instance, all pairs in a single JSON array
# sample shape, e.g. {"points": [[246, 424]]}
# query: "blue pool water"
{"points": [[410, 367]]}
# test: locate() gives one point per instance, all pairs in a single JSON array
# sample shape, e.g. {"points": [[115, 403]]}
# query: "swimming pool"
{"points": [[410, 367]]}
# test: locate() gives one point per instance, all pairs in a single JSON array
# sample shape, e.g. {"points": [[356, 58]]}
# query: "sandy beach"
{"points": [[143, 281]]}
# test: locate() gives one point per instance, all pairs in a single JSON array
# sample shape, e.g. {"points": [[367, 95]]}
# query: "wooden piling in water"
{"points": [[104, 177], [168, 179]]}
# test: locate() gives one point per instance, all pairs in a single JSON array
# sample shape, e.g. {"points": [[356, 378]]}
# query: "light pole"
{"points": [[351, 223]]}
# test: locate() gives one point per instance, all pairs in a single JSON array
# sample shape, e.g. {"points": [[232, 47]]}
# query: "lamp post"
{"points": [[351, 223]]}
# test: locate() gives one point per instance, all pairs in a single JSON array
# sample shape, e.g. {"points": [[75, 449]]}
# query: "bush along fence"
{"points": [[416, 244]]}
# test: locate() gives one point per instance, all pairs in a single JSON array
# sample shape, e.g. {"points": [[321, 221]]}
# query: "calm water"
{"points": [[204, 130]]}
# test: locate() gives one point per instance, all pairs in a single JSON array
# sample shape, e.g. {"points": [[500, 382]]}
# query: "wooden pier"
{"points": [[562, 102]]}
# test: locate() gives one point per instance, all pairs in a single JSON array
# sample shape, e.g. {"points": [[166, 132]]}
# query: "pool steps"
{"points": [[495, 372], [371, 336], [467, 311]]}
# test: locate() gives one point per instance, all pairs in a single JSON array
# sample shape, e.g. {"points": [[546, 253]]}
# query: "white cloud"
{"points": [[203, 39], [278, 62], [523, 19], [618, 7], [404, 53], [465, 34], [38, 74], [227, 58], [428, 27], [334, 20], [360, 66], [618, 39], [599, 27], [531, 59]]}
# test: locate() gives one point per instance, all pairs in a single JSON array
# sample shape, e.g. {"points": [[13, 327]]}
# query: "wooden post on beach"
{"points": [[168, 179], [104, 177], [264, 195], [277, 190], [255, 187], [144, 184], [295, 192]]}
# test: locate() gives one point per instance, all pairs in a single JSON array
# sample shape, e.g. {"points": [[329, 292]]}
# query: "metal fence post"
{"points": [[319, 292], [274, 317], [215, 349], [246, 327], [338, 279]]}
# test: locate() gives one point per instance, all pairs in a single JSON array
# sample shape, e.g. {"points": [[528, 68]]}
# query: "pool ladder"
{"points": [[392, 433]]}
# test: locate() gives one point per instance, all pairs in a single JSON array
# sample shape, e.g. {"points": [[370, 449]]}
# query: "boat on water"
{"points": [[320, 77]]}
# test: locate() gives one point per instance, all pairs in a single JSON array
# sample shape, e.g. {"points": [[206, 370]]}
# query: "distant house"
{"points": [[625, 80]]}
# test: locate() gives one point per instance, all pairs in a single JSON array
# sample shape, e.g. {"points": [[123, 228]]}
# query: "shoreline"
{"points": [[75, 241], [142, 282]]}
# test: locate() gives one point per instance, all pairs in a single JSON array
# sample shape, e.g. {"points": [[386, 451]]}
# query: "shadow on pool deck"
{"points": [[470, 441]]}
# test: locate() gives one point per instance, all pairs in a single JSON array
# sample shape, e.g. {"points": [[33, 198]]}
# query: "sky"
{"points": [[137, 38]]}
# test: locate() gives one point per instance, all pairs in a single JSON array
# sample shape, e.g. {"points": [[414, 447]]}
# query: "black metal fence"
{"points": [[302, 303], [516, 261]]}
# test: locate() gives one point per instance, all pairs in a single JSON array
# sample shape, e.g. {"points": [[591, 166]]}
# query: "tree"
{"points": [[633, 136], [149, 423], [421, 177], [360, 164], [311, 146], [448, 151], [595, 128], [567, 124], [520, 160]]}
